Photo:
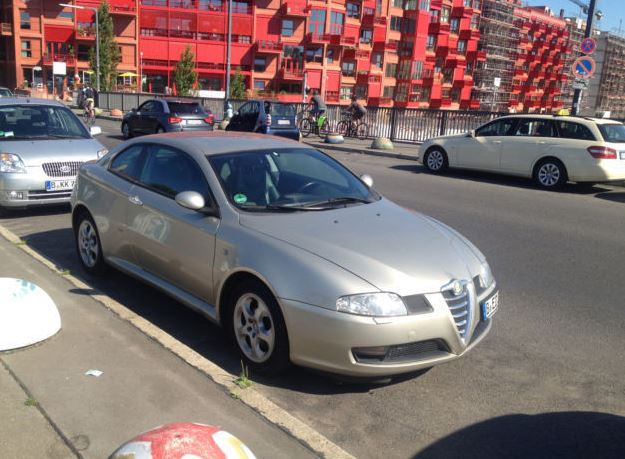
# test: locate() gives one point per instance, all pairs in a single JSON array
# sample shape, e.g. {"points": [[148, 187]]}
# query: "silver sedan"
{"points": [[301, 261]]}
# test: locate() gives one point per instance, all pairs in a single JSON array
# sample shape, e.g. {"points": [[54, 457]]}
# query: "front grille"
{"points": [[408, 352], [69, 169], [42, 195], [460, 308]]}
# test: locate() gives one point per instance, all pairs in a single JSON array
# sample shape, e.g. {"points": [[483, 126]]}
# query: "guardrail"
{"points": [[397, 124]]}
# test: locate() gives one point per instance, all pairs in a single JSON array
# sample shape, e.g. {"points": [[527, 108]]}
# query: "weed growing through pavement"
{"points": [[31, 402], [243, 381]]}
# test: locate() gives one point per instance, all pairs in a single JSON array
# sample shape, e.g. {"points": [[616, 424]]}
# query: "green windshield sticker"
{"points": [[240, 198]]}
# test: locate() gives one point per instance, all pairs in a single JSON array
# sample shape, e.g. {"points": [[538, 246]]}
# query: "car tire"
{"points": [[256, 326], [550, 174], [160, 130], [435, 160], [88, 245], [126, 131]]}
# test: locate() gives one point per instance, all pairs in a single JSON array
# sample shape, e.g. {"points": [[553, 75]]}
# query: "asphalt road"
{"points": [[548, 381]]}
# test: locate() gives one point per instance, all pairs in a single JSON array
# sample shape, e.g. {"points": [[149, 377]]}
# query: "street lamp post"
{"points": [[97, 39], [141, 71]]}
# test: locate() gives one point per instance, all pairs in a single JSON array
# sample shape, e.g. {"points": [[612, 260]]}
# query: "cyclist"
{"points": [[357, 111], [318, 105], [90, 101]]}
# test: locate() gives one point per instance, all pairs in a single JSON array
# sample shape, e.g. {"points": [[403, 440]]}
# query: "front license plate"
{"points": [[490, 305], [194, 122], [284, 122], [60, 185]]}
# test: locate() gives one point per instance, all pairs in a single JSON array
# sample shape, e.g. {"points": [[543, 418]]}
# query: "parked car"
{"points": [[5, 92], [165, 115], [299, 260], [266, 117], [42, 146], [550, 149]]}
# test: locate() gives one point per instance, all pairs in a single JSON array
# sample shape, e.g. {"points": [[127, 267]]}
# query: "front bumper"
{"points": [[325, 340], [29, 189]]}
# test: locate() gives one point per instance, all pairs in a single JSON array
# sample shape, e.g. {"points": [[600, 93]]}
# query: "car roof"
{"points": [[545, 116], [219, 142], [29, 100]]}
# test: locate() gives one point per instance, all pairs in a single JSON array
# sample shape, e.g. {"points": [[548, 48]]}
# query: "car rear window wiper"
{"points": [[337, 200]]}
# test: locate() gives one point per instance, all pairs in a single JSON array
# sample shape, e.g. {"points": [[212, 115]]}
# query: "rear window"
{"points": [[612, 132], [186, 108], [569, 130], [282, 110]]}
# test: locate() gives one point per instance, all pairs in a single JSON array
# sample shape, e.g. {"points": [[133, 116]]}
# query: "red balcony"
{"points": [[363, 54], [67, 58], [342, 40], [208, 66], [6, 29], [332, 96], [439, 27], [462, 11], [318, 38], [481, 56], [380, 101], [474, 104], [271, 47], [122, 8], [469, 34], [295, 9], [373, 20]]}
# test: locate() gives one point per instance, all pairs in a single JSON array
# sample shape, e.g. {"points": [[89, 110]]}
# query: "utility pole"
{"points": [[577, 95], [228, 45]]}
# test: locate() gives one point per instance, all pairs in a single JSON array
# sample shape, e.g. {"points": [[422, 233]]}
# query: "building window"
{"points": [[454, 25], [26, 51], [366, 35], [353, 10], [376, 61], [388, 92], [408, 25], [434, 16], [448, 75], [360, 92], [391, 70], [24, 20], [336, 23], [287, 28], [462, 46], [424, 5], [378, 7], [446, 93], [477, 4], [467, 3], [398, 3], [346, 92], [330, 56], [469, 70], [396, 23], [83, 52], [455, 95], [347, 68], [475, 21], [417, 70], [67, 15], [405, 48], [431, 42], [425, 94], [260, 64], [401, 92], [314, 55], [260, 85], [317, 22], [445, 14], [410, 5], [438, 65]]}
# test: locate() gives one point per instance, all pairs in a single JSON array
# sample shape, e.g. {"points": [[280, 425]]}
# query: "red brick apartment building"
{"points": [[406, 53]]}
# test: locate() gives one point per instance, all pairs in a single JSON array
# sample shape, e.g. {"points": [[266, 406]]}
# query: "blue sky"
{"points": [[613, 11]]}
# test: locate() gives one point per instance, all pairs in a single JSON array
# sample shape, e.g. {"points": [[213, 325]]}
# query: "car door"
{"points": [[529, 140], [152, 119], [482, 151], [251, 118], [236, 123], [137, 122], [171, 242]]}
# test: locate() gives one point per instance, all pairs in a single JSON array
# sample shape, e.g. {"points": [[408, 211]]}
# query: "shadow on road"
{"points": [[614, 197], [182, 323], [549, 435], [36, 211]]}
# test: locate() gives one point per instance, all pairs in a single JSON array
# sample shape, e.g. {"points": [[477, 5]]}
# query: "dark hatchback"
{"points": [[163, 115], [266, 117]]}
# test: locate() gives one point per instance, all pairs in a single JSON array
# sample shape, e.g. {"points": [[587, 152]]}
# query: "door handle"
{"points": [[541, 142], [135, 200]]}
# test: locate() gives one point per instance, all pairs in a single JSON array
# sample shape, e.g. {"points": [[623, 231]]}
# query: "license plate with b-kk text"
{"points": [[490, 306]]}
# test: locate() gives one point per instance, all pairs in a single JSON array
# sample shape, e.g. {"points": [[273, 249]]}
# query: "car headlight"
{"points": [[372, 304], [102, 152], [486, 276], [11, 163]]}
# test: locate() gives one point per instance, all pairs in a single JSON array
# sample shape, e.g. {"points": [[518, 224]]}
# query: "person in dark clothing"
{"points": [[356, 110], [318, 105]]}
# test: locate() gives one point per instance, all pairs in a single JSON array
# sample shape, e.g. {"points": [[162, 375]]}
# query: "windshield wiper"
{"points": [[335, 201], [65, 136], [279, 208]]}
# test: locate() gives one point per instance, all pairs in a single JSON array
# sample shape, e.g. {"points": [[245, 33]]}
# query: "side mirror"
{"points": [[134, 110], [471, 133], [366, 178], [191, 200], [95, 130]]}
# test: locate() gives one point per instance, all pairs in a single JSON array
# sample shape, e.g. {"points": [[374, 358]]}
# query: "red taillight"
{"points": [[210, 119], [602, 152], [174, 120], [267, 120]]}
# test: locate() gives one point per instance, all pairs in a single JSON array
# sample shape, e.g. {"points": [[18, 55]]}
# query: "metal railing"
{"points": [[397, 124]]}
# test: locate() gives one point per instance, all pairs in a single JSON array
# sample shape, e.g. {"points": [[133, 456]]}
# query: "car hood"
{"points": [[390, 247], [37, 152]]}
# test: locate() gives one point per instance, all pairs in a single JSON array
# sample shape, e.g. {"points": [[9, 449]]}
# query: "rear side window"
{"points": [[496, 128], [129, 162], [534, 128], [569, 130], [612, 132], [184, 108]]}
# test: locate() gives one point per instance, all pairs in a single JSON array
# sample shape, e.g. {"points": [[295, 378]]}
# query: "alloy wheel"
{"points": [[549, 174], [254, 328], [88, 244], [435, 160]]}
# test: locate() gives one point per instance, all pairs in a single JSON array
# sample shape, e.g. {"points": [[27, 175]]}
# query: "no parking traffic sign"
{"points": [[588, 45], [584, 67]]}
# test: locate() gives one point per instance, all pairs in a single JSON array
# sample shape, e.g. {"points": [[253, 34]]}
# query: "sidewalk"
{"points": [[52, 409]]}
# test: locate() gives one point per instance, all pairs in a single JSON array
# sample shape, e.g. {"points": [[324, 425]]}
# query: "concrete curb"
{"points": [[315, 441]]}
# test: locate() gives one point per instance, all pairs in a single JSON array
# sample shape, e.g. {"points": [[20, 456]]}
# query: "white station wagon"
{"points": [[549, 149]]}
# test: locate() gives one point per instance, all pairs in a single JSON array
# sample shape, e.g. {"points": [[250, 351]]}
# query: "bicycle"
{"points": [[89, 117], [350, 128], [310, 124]]}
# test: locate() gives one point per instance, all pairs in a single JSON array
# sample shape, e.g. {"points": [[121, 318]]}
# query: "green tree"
{"points": [[109, 51], [237, 86], [184, 73]]}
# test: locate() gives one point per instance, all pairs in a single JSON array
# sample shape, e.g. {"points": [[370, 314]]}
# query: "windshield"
{"points": [[612, 132], [5, 92], [282, 110], [19, 122], [185, 108], [290, 179]]}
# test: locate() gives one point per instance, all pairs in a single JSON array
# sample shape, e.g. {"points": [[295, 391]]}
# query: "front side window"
{"points": [[496, 128], [169, 172], [288, 179], [24, 122], [128, 163]]}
